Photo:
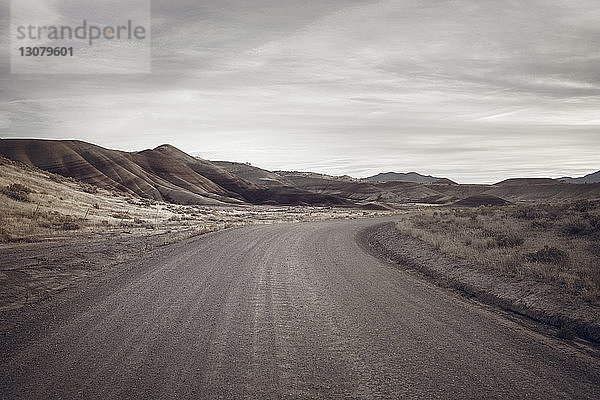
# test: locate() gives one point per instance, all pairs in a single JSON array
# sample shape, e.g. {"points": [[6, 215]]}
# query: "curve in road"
{"points": [[294, 311]]}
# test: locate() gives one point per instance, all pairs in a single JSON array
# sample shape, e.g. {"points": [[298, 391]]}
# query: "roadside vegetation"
{"points": [[55, 213], [557, 243], [37, 205]]}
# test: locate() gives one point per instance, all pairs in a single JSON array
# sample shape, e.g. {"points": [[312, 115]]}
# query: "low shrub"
{"points": [[87, 188], [70, 226], [16, 191], [584, 206], [548, 255], [4, 235], [588, 225], [121, 215], [506, 241], [530, 213], [566, 333], [56, 178]]}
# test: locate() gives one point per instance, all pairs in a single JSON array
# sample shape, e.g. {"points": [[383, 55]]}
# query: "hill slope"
{"points": [[589, 178], [388, 193], [165, 173], [403, 177], [149, 173], [168, 174]]}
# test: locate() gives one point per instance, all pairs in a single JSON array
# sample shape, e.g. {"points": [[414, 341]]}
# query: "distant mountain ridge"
{"points": [[528, 181], [403, 177], [166, 173], [589, 178]]}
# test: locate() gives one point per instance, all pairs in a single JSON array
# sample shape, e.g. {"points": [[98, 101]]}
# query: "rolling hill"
{"points": [[358, 190], [589, 178], [404, 177], [166, 173]]}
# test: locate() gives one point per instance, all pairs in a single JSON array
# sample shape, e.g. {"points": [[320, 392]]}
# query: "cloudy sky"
{"points": [[476, 90]]}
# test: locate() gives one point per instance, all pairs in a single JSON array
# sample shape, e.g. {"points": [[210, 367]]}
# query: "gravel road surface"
{"points": [[285, 311]]}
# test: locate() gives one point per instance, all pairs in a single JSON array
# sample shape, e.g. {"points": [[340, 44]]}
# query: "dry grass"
{"points": [[16, 191], [557, 243], [37, 205]]}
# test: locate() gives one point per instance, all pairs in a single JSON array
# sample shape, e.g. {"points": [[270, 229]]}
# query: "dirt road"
{"points": [[294, 311]]}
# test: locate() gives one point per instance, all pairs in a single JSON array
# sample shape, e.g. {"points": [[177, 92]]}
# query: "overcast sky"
{"points": [[477, 90]]}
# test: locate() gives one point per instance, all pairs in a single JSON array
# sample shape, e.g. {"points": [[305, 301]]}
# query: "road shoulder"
{"points": [[536, 300]]}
